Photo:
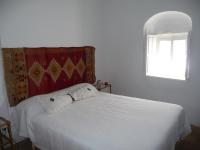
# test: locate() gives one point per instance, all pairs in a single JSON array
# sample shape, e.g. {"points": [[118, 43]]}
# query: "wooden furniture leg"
{"points": [[10, 138]]}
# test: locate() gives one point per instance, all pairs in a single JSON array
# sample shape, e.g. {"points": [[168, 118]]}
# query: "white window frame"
{"points": [[168, 37]]}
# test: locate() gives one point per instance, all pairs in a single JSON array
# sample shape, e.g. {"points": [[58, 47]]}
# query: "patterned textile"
{"points": [[33, 71]]}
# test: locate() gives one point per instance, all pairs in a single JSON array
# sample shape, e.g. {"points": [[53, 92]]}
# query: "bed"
{"points": [[104, 122], [86, 119]]}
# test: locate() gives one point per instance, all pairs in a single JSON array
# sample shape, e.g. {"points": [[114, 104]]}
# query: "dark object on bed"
{"points": [[34, 71]]}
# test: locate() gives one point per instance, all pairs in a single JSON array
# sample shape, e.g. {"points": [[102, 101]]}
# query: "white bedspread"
{"points": [[106, 122]]}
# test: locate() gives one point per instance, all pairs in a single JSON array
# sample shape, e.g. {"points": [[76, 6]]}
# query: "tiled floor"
{"points": [[192, 142]]}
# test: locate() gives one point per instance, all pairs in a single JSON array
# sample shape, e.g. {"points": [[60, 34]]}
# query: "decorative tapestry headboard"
{"points": [[34, 71]]}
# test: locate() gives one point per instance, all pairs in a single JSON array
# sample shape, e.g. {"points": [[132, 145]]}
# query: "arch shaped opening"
{"points": [[167, 40], [168, 22]]}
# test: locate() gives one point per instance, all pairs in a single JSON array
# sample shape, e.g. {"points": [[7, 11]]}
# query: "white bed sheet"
{"points": [[106, 122]]}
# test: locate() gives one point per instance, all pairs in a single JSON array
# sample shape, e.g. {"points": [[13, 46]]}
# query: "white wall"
{"points": [[125, 56], [4, 112], [115, 28], [37, 23]]}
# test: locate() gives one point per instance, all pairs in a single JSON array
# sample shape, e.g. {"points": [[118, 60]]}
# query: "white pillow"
{"points": [[82, 91], [69, 89], [53, 104]]}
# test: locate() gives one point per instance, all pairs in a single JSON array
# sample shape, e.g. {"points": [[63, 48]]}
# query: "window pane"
{"points": [[165, 50], [164, 56], [167, 56], [179, 48], [179, 58]]}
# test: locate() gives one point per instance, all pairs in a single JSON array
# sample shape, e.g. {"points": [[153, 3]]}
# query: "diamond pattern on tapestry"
{"points": [[69, 68], [80, 67], [32, 71], [36, 73], [54, 70]]}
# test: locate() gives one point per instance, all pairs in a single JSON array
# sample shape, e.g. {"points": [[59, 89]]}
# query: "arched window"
{"points": [[167, 37]]}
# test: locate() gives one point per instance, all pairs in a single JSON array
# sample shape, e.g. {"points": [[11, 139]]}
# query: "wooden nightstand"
{"points": [[103, 87], [5, 134]]}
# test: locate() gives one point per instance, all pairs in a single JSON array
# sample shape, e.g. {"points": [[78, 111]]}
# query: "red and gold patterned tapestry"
{"points": [[34, 71]]}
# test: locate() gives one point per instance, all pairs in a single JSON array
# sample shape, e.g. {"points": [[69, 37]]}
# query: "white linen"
{"points": [[56, 103], [106, 122], [32, 107], [25, 111], [83, 91]]}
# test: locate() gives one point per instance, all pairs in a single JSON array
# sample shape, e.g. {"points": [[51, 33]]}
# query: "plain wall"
{"points": [[115, 28], [48, 23], [4, 111], [125, 54]]}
